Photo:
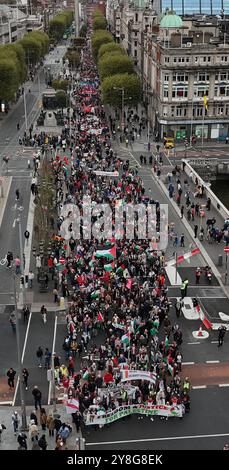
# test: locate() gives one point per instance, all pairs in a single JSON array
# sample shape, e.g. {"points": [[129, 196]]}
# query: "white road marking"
{"points": [[22, 357], [196, 342], [187, 363], [173, 275], [212, 362], [29, 227], [223, 385], [214, 342], [14, 223], [175, 438], [198, 387], [53, 349]]}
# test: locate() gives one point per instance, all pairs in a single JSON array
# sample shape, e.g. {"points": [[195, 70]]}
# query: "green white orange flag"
{"points": [[110, 254], [109, 267]]}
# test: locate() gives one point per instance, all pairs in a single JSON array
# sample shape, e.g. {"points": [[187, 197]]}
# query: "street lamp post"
{"points": [[53, 384], [226, 270], [123, 104], [19, 357], [25, 111]]}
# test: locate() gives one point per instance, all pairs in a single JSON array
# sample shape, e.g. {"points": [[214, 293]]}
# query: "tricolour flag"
{"points": [[125, 338], [110, 254]]}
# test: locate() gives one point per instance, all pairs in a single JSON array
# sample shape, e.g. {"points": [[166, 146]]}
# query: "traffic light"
{"points": [[22, 280]]}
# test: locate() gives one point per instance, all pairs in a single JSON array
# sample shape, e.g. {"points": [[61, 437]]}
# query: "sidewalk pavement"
{"points": [[9, 440], [5, 187]]}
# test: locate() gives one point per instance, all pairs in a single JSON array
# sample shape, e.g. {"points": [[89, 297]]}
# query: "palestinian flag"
{"points": [[109, 267], [95, 294], [61, 265], [121, 326], [153, 331], [166, 343], [110, 254], [86, 375], [126, 338], [170, 369], [100, 317]]}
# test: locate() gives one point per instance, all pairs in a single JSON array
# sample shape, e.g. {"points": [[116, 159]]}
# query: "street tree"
{"points": [[79, 41], [61, 99], [110, 47], [32, 48], [99, 22], [60, 85], [113, 63], [74, 58], [59, 24], [99, 38], [9, 78], [112, 89]]}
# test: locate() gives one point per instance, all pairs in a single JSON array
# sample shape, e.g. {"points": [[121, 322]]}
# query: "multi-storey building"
{"points": [[186, 78], [184, 7]]}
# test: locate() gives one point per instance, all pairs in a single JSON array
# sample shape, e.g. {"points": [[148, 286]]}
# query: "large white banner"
{"points": [[138, 375], [98, 416], [106, 173]]}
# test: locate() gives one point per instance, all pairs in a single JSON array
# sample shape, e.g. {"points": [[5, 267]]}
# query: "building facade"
{"points": [[187, 7]]}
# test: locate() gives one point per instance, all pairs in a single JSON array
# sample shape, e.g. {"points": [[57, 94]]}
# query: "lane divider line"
{"points": [[22, 357], [53, 350]]}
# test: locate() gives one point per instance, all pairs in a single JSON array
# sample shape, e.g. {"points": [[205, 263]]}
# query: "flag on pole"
{"points": [[205, 102], [100, 317], [129, 283], [110, 254], [86, 375], [126, 338], [109, 267], [170, 368], [166, 343], [72, 406]]}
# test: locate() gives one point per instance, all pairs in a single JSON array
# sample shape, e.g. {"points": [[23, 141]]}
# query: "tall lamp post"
{"points": [[123, 104], [19, 357]]}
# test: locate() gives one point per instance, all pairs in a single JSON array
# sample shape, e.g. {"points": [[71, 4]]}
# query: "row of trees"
{"points": [[15, 58], [59, 24], [116, 69]]}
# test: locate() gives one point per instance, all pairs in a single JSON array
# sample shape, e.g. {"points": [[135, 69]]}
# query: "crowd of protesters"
{"points": [[118, 311]]}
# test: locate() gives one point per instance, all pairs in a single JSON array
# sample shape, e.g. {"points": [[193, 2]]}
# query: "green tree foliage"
{"points": [[43, 38], [83, 31], [99, 23], [132, 89], [74, 58], [61, 99], [32, 47], [110, 47], [60, 84], [99, 38], [97, 13], [113, 63], [9, 78], [59, 24]]}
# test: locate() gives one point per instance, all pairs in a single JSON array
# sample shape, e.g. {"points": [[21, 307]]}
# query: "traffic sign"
{"points": [[226, 249]]}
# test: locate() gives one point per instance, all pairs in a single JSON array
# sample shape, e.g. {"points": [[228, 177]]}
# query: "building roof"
{"points": [[11, 13], [171, 20]]}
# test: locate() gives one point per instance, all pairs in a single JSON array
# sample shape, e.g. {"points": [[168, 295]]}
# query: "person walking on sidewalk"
{"points": [[182, 240], [22, 441], [9, 258], [15, 422], [48, 356], [11, 375], [26, 313], [2, 428], [39, 355], [222, 330], [44, 314], [25, 375], [195, 230], [37, 396], [182, 211], [17, 265], [27, 235], [50, 424]]}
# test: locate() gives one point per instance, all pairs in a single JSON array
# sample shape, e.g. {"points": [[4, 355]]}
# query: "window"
{"points": [[167, 60], [135, 33], [204, 59], [179, 91], [196, 59], [227, 110], [178, 111], [135, 43], [136, 17], [200, 91], [165, 111], [222, 90], [224, 58], [166, 78], [172, 110], [166, 92], [203, 77], [220, 110], [175, 59], [198, 111], [180, 77], [223, 76], [209, 59], [187, 59], [135, 53], [180, 59]]}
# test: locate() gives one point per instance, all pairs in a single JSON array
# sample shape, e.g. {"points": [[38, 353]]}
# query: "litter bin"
{"points": [[220, 260]]}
